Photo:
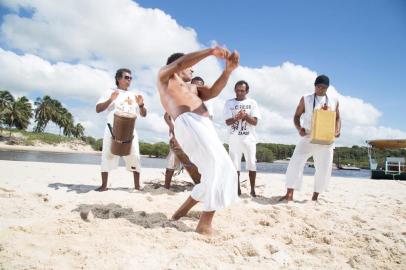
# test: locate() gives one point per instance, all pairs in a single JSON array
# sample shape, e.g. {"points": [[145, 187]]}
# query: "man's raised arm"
{"points": [[189, 60], [206, 93]]}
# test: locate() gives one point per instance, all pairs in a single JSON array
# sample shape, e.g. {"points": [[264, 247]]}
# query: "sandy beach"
{"points": [[50, 218], [79, 147]]}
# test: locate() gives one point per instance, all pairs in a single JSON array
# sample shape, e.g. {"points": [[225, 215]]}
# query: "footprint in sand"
{"points": [[141, 218], [245, 249], [7, 193], [357, 218], [272, 249], [43, 197], [264, 223]]}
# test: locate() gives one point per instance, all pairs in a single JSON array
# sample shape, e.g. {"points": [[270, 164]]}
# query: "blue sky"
{"points": [[361, 45], [49, 48]]}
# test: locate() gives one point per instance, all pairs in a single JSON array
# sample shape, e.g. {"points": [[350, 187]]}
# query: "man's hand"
{"points": [[139, 99], [114, 95], [232, 61], [221, 53], [338, 133], [240, 115], [302, 132]]}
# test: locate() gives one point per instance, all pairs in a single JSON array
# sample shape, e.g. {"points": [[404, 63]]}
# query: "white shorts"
{"points": [[198, 138], [110, 162], [172, 162], [238, 147], [323, 162]]}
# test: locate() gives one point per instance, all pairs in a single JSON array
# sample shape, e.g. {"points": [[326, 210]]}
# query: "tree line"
{"points": [[18, 112]]}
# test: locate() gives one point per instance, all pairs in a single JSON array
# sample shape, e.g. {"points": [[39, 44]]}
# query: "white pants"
{"points": [[323, 160], [238, 147], [110, 162], [172, 162], [199, 140]]}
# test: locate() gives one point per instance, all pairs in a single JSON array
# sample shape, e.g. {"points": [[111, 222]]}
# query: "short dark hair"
{"points": [[322, 79], [174, 57], [242, 82], [119, 73], [197, 78]]}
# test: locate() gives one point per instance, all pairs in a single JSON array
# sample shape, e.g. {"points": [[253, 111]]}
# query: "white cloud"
{"points": [[25, 73], [71, 49]]}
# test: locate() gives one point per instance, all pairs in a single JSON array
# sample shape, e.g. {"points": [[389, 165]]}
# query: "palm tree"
{"points": [[18, 114], [63, 119], [6, 100], [68, 129], [44, 112], [79, 131]]}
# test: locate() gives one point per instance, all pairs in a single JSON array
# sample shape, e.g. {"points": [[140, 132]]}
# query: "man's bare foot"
{"points": [[253, 193], [286, 198], [184, 208], [137, 188], [204, 225], [239, 192], [205, 230], [101, 189]]}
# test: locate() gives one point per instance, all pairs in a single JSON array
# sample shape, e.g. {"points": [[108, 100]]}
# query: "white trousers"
{"points": [[172, 162], [323, 161], [110, 162], [199, 140], [238, 147]]}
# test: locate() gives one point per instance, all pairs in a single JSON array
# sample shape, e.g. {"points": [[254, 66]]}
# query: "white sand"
{"points": [[72, 147], [357, 224]]}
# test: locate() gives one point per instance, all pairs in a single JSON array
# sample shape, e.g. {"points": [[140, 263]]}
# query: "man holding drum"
{"points": [[120, 101]]}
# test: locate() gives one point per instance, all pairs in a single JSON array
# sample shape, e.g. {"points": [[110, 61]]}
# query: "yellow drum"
{"points": [[323, 127]]}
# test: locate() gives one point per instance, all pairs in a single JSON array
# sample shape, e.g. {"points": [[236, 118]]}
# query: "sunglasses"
{"points": [[129, 78]]}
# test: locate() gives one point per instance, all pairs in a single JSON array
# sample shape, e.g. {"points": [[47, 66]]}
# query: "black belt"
{"points": [[114, 137]]}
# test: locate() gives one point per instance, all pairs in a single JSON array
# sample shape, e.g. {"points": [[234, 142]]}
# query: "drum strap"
{"points": [[114, 137]]}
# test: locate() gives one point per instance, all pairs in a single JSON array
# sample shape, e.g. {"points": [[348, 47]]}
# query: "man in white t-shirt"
{"points": [[242, 115], [120, 99]]}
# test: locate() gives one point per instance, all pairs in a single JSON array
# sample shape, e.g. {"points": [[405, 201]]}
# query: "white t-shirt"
{"points": [[242, 129], [125, 101]]}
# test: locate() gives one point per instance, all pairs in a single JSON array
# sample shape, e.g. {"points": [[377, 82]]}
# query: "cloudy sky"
{"points": [[71, 49]]}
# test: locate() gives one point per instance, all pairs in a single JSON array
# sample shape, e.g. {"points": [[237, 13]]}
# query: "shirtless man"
{"points": [[195, 132], [176, 154]]}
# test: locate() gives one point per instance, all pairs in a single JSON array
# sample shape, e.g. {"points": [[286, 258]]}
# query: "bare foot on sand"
{"points": [[205, 230], [101, 189], [288, 197], [184, 208], [285, 198]]}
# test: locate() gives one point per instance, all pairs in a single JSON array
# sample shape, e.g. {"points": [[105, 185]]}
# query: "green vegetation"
{"points": [[15, 116], [18, 112]]}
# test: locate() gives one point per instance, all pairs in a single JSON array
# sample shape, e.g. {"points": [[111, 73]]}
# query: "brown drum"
{"points": [[184, 159], [122, 133]]}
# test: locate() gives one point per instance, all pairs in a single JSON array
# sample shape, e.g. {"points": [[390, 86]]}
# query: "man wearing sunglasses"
{"points": [[120, 98]]}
